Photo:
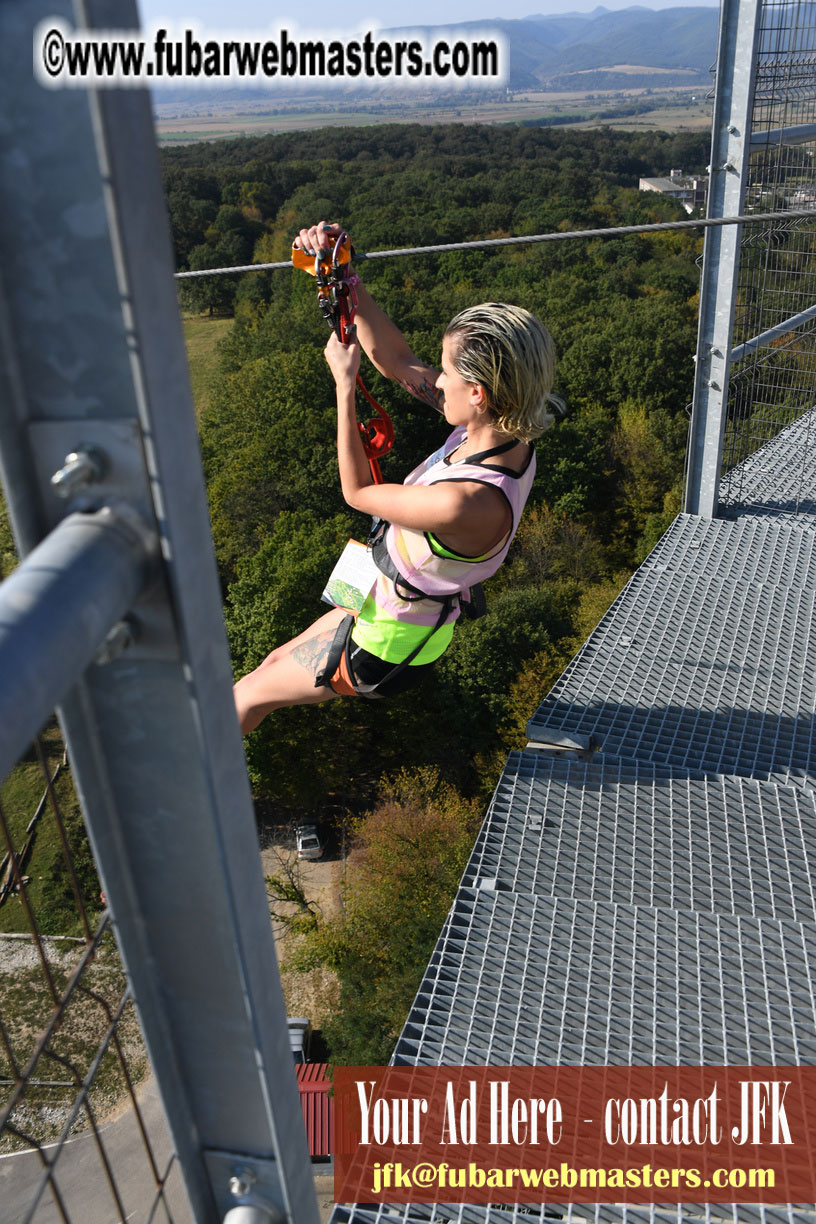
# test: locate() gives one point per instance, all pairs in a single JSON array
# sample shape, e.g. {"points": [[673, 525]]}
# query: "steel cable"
{"points": [[440, 248]]}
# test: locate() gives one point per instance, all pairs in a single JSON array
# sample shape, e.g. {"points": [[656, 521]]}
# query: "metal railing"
{"points": [[756, 358], [71, 1053]]}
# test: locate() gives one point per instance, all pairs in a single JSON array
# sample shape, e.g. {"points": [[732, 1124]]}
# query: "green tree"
{"points": [[401, 876], [268, 445], [215, 294], [649, 448], [486, 655]]}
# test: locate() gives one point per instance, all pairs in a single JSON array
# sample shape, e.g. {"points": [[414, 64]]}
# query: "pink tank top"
{"points": [[426, 564]]}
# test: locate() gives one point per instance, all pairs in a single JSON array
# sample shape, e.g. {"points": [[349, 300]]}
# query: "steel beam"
{"points": [[773, 333], [730, 148], [56, 610], [802, 133], [94, 360]]}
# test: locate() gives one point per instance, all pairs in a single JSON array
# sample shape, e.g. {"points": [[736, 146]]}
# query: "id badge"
{"points": [[352, 579]]}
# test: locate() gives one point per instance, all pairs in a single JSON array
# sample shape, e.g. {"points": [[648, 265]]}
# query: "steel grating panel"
{"points": [[576, 1213], [777, 479], [703, 672], [648, 835], [521, 980], [772, 552]]}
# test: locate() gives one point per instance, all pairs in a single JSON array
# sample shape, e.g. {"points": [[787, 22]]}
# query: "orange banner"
{"points": [[575, 1134]]}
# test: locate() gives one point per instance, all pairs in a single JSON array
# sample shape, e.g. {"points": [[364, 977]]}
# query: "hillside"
{"points": [[555, 51]]}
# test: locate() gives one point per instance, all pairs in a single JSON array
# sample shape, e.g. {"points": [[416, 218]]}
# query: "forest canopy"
{"points": [[622, 311], [623, 314]]}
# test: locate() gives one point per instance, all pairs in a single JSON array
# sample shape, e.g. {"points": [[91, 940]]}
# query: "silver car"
{"points": [[309, 845]]}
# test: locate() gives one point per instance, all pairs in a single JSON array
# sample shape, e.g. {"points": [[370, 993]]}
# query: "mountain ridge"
{"points": [[556, 51]]}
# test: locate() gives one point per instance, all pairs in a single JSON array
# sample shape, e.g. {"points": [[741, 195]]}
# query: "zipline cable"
{"points": [[611, 232]]}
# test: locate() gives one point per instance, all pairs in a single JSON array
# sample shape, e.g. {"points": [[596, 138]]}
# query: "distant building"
{"points": [[689, 189]]}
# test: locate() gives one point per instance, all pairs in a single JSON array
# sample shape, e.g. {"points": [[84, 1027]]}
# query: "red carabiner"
{"points": [[378, 433]]}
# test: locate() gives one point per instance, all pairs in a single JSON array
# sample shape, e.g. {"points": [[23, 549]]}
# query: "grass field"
{"points": [[48, 890], [28, 1007], [202, 335], [27, 993]]}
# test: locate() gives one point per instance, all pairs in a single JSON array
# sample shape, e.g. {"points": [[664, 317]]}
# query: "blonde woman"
{"points": [[447, 527]]}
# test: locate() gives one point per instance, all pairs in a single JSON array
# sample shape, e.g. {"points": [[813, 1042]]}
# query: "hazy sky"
{"points": [[355, 14]]}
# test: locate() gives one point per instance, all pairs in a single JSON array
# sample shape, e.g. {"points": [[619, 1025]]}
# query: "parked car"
{"points": [[309, 845]]}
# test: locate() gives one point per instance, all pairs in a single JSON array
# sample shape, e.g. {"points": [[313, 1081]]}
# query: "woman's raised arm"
{"points": [[382, 340]]}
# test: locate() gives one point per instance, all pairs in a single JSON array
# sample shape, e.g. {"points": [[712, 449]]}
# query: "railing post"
{"points": [[730, 149], [93, 362]]}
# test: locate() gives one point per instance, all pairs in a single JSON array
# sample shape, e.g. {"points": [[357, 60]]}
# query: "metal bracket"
{"points": [[565, 744], [247, 1189], [84, 464]]}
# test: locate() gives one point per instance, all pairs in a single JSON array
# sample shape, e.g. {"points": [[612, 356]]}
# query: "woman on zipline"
{"points": [[447, 527]]}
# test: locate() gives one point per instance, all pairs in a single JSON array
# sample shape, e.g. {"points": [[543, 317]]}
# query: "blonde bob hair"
{"points": [[510, 353]]}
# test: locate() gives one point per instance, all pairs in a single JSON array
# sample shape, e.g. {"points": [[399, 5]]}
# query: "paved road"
{"points": [[84, 1187], [81, 1179]]}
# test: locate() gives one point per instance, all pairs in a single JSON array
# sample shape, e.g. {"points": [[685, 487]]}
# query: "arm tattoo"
{"points": [[425, 391]]}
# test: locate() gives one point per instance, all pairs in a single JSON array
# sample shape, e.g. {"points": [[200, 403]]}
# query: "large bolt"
{"points": [[82, 467], [120, 637], [242, 1182]]}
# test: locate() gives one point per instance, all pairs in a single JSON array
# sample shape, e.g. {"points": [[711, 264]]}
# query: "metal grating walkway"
{"points": [[582, 1213], [579, 1213], [648, 835], [706, 660], [589, 983], [649, 897], [771, 481]]}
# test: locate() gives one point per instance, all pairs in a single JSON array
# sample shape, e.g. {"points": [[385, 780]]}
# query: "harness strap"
{"points": [[370, 690], [382, 560], [342, 645], [473, 607], [488, 454], [336, 649], [476, 606]]}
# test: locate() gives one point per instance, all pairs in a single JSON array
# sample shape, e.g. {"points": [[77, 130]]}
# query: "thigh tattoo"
{"points": [[313, 653]]}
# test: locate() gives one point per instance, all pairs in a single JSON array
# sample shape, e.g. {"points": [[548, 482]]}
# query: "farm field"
{"points": [[677, 109]]}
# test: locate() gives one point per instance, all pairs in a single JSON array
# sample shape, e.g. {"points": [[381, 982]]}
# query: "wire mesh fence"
{"points": [[71, 1053], [774, 384]]}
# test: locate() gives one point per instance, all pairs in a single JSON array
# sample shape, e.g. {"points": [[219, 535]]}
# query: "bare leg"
{"points": [[287, 675]]}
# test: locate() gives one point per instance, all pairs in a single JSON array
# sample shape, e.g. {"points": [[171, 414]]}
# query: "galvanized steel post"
{"points": [[94, 385], [730, 147]]}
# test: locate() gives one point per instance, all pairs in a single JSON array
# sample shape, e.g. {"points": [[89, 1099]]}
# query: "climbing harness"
{"points": [[341, 650], [337, 299]]}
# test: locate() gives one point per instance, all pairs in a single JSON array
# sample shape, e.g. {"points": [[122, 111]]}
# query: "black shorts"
{"points": [[371, 669]]}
